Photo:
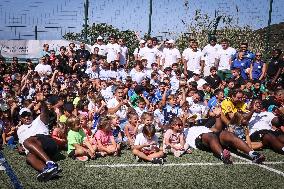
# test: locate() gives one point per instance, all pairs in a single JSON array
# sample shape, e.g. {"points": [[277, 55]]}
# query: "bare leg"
{"points": [[272, 141], [35, 148], [141, 155], [228, 138], [35, 162], [213, 142]]}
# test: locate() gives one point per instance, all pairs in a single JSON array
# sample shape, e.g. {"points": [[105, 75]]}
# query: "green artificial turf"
{"points": [[79, 175]]}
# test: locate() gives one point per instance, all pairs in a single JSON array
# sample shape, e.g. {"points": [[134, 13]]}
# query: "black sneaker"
{"points": [[226, 157], [50, 171], [258, 158], [158, 161]]}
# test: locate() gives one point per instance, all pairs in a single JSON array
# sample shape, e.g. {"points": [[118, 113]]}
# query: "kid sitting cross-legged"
{"points": [[105, 139], [130, 129], [146, 146], [174, 139], [78, 147]]}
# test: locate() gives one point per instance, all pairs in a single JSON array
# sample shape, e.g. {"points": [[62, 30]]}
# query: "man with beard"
{"points": [[150, 53]]}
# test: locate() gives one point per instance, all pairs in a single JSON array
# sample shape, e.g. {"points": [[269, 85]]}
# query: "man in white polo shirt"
{"points": [[150, 53], [224, 60], [210, 54], [119, 105], [101, 46], [193, 61], [171, 55], [113, 50]]}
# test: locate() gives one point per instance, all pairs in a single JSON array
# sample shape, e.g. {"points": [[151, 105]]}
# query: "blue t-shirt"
{"points": [[243, 65]]}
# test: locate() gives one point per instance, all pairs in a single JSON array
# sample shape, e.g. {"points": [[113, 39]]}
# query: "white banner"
{"points": [[31, 48]]}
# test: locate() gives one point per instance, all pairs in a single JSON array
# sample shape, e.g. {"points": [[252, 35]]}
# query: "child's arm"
{"points": [[4, 138], [126, 131], [139, 147], [89, 146], [182, 140]]}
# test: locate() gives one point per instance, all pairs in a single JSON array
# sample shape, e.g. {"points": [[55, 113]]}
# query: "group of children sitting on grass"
{"points": [[144, 136]]}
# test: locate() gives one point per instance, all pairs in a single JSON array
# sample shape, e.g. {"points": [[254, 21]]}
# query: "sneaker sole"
{"points": [[47, 176]]}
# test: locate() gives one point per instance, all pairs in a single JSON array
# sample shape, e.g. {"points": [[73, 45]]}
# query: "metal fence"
{"points": [[37, 19]]}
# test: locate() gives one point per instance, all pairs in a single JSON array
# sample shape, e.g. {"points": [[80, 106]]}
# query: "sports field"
{"points": [[197, 170]]}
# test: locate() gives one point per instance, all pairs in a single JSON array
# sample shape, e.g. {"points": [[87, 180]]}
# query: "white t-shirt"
{"points": [[137, 76], [36, 127], [102, 49], [92, 74], [224, 55], [107, 93], [200, 83], [197, 109], [193, 60], [121, 112], [123, 55], [210, 54], [193, 132], [141, 139], [150, 54], [44, 69], [260, 121], [112, 51], [171, 56]]}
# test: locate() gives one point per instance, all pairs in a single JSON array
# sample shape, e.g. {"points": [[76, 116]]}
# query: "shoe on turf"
{"points": [[82, 158], [158, 161], [49, 171], [226, 157], [178, 153], [138, 159], [258, 158]]}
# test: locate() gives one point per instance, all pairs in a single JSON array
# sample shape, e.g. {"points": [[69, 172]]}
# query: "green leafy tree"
{"points": [[201, 26], [105, 31]]}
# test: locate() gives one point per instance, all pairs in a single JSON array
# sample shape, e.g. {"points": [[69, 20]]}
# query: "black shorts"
{"points": [[72, 154], [201, 146], [258, 135], [48, 144]]}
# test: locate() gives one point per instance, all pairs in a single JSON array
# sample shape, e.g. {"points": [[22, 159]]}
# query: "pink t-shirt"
{"points": [[104, 137], [174, 138]]}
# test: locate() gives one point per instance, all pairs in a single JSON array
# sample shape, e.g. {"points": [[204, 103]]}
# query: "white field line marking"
{"points": [[260, 165], [174, 164]]}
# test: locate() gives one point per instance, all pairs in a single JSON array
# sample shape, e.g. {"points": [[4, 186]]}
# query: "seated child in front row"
{"points": [[130, 129], [174, 139], [146, 146], [59, 134], [105, 139], [78, 147]]}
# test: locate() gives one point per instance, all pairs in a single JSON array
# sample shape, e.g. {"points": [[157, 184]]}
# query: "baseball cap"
{"points": [[171, 41], [196, 72], [100, 38], [142, 41], [25, 112]]}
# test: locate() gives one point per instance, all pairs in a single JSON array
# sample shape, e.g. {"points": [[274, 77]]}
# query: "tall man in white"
{"points": [[100, 44], [171, 55], [210, 54], [150, 53], [193, 61], [224, 60], [113, 50]]}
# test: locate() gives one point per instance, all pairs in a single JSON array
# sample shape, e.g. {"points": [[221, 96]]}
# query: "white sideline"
{"points": [[178, 164], [260, 165]]}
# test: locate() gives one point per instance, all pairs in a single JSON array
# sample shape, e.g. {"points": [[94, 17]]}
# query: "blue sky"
{"points": [[56, 17]]}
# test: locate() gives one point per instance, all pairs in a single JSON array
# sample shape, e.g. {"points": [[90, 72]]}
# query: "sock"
{"points": [[251, 154], [283, 149], [52, 162]]}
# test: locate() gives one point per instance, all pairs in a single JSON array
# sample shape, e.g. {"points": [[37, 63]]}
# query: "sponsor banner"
{"points": [[31, 48]]}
